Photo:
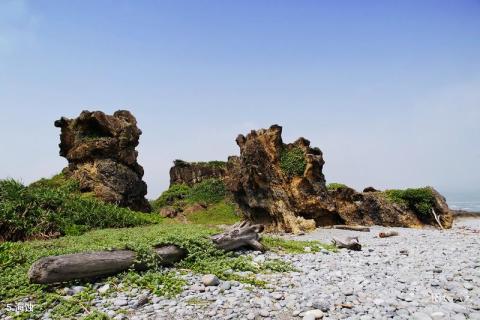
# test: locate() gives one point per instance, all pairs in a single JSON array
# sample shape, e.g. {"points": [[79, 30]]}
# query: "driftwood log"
{"points": [[437, 218], [90, 265], [352, 228], [350, 243], [388, 233]]}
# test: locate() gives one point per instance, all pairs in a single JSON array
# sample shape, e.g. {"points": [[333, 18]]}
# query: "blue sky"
{"points": [[389, 90]]}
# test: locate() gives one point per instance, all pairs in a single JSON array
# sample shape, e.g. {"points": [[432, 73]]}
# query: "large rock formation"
{"points": [[282, 186], [190, 173], [279, 185], [101, 155]]}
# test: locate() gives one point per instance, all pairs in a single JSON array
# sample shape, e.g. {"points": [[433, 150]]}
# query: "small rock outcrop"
{"points": [[190, 173], [374, 208], [282, 186], [101, 155]]}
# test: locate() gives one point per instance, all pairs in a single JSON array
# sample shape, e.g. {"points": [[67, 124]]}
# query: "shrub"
{"points": [[292, 161], [208, 191], [178, 195], [335, 186], [45, 210], [420, 200], [171, 195]]}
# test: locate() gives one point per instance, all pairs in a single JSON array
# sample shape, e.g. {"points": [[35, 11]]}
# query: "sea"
{"points": [[468, 201], [473, 206]]}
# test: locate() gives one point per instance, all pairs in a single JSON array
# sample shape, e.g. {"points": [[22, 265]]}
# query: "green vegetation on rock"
{"points": [[50, 208], [292, 161], [178, 195], [208, 191], [335, 186], [203, 257], [420, 200], [213, 164]]}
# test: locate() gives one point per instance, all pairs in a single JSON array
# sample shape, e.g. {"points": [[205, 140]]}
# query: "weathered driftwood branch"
{"points": [[437, 218], [240, 235], [353, 228], [68, 267], [388, 233], [350, 243]]}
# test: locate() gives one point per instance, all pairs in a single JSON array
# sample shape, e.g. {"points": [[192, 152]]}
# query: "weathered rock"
{"points": [[194, 207], [373, 208], [282, 186], [190, 173], [101, 155], [168, 212], [210, 280], [275, 197], [370, 189]]}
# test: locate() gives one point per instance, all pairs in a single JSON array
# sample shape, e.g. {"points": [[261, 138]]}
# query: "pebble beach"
{"points": [[423, 274]]}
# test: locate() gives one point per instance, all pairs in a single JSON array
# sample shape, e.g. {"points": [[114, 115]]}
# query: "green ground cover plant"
{"points": [[294, 246], [208, 191], [292, 161], [17, 257], [222, 212]]}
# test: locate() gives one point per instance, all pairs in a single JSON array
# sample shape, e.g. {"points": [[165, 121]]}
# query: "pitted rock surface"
{"points": [[101, 155]]}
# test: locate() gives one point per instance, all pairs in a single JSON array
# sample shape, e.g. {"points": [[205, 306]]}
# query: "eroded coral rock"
{"points": [[279, 185], [190, 173], [101, 155], [283, 187]]}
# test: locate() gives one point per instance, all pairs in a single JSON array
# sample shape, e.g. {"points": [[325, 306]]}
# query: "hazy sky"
{"points": [[389, 90]]}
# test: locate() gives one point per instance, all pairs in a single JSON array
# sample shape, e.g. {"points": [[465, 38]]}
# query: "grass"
{"points": [[335, 186], [292, 161], [222, 212], [420, 200], [203, 257], [293, 246], [174, 194], [208, 191], [55, 207]]}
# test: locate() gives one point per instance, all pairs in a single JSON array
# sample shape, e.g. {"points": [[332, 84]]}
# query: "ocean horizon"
{"points": [[472, 206]]}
